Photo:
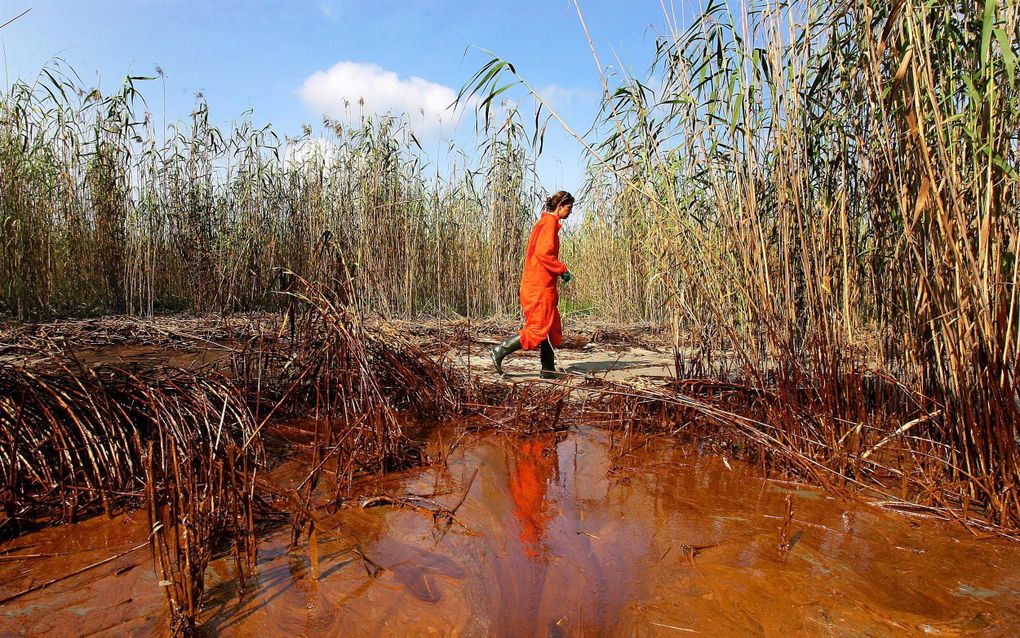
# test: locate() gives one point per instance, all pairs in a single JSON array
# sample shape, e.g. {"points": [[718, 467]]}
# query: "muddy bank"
{"points": [[612, 351], [561, 534]]}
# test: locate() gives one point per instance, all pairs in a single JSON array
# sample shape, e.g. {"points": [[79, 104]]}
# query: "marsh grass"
{"points": [[102, 212]]}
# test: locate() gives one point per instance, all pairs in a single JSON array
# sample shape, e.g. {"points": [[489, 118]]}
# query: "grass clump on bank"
{"points": [[191, 443]]}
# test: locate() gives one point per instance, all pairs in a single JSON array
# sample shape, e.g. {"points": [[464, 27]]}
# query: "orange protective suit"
{"points": [[539, 296]]}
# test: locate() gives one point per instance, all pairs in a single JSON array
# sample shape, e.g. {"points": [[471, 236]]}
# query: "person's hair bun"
{"points": [[558, 199]]}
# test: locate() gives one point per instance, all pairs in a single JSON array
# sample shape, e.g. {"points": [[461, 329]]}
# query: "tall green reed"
{"points": [[104, 213]]}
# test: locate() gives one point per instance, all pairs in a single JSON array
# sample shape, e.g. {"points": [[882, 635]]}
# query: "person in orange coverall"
{"points": [[539, 295]]}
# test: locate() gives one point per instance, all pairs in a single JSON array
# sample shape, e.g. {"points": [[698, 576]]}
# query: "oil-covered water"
{"points": [[557, 535]]}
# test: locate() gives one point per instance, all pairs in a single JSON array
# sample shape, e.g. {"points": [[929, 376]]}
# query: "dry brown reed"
{"points": [[791, 433], [73, 436], [359, 384], [195, 503], [77, 439]]}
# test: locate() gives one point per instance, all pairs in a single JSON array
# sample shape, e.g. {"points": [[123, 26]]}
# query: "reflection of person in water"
{"points": [[529, 480]]}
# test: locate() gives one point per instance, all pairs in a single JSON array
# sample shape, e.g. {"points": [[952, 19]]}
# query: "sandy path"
{"points": [[621, 363]]}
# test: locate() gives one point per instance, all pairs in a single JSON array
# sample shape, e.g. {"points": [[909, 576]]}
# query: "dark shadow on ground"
{"points": [[606, 366]]}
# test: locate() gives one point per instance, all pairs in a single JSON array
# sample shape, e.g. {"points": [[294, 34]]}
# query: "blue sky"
{"points": [[291, 61]]}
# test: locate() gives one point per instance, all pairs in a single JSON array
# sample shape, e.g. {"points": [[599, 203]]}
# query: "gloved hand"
{"points": [[567, 277]]}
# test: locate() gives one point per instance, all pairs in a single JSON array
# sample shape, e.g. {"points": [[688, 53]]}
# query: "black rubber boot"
{"points": [[513, 344], [548, 356]]}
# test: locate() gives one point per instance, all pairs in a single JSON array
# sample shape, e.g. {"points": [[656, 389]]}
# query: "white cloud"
{"points": [[382, 91]]}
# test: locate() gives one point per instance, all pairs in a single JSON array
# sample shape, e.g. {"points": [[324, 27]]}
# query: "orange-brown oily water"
{"points": [[572, 534]]}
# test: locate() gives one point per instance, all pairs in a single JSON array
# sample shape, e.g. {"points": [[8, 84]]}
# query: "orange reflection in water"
{"points": [[533, 466]]}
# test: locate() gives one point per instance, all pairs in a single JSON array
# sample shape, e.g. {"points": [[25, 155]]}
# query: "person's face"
{"points": [[563, 210]]}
